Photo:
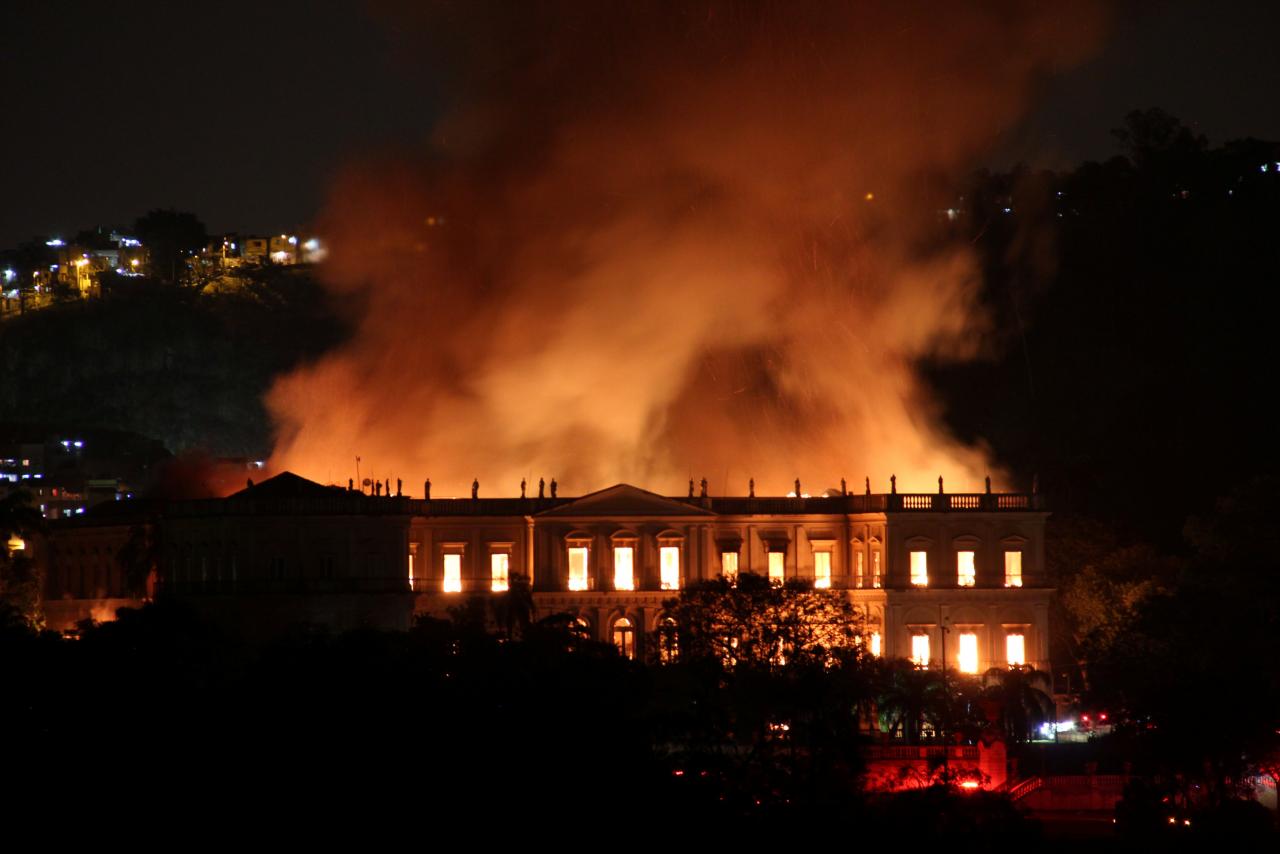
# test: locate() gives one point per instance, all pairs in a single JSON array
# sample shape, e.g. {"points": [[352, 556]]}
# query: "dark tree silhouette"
{"points": [[170, 237], [20, 580], [1023, 702]]}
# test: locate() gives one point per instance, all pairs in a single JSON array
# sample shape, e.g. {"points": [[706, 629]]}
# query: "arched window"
{"points": [[623, 636]]}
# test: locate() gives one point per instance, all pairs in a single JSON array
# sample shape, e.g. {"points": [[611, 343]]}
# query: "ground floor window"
{"points": [[920, 650], [1015, 649], [968, 654], [623, 637]]}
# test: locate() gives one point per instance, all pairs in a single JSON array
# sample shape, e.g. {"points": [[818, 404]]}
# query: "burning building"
{"points": [[945, 579]]}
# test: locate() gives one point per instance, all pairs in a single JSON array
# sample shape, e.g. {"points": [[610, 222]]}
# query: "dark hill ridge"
{"points": [[185, 368]]}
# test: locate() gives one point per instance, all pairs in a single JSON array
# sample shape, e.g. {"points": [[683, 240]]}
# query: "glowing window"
{"points": [[920, 650], [919, 569], [729, 565], [821, 570], [669, 566], [1013, 569], [499, 568], [413, 553], [858, 568], [623, 637], [1015, 649], [966, 572], [453, 573], [578, 568], [875, 644], [968, 657], [624, 568], [876, 574], [776, 571]]}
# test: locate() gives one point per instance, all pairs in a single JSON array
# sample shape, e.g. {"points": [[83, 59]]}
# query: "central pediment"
{"points": [[626, 500]]}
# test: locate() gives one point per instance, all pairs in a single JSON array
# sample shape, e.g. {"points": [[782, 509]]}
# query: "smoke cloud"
{"points": [[654, 241]]}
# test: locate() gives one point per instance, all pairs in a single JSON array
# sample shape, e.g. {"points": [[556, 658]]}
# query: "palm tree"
{"points": [[907, 697], [1023, 703], [513, 609]]}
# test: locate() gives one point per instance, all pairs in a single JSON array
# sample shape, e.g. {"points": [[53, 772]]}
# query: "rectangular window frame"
{"points": [[777, 565], [822, 569], [1013, 567], [921, 649], [624, 566], [499, 570], [579, 579], [919, 567], [451, 572], [729, 564], [1015, 651], [669, 565], [968, 657]]}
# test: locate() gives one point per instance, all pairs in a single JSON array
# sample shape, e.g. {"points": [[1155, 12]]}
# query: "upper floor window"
{"points": [[327, 567], [499, 571], [669, 567], [859, 568], [920, 650], [453, 573], [822, 570], [624, 568], [966, 570], [623, 636], [578, 559], [729, 565], [1015, 649], [919, 569], [968, 654], [877, 571], [1012, 569], [777, 572]]}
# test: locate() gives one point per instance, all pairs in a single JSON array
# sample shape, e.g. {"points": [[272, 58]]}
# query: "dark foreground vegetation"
{"points": [[512, 726]]}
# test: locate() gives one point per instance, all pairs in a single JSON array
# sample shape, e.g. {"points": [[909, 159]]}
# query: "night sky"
{"points": [[240, 111]]}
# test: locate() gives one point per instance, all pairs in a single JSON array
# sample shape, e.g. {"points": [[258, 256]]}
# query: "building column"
{"points": [[528, 549]]}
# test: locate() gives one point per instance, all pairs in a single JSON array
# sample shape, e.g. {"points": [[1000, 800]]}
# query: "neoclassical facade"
{"points": [[966, 570], [954, 577]]}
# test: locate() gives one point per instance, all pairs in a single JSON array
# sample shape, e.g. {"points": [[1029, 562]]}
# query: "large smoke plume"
{"points": [[651, 242]]}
